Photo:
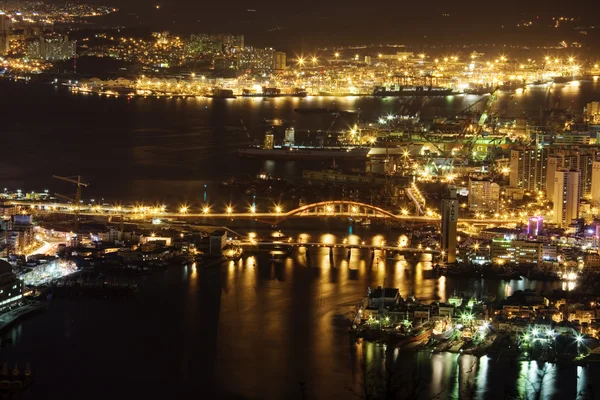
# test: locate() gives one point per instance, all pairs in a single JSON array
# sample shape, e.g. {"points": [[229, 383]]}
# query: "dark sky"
{"points": [[336, 22]]}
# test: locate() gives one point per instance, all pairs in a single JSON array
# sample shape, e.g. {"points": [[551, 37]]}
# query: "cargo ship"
{"points": [[401, 91], [222, 94], [322, 110], [291, 153], [273, 92]]}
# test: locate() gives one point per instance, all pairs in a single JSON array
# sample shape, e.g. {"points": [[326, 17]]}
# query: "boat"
{"points": [[562, 79], [267, 92], [416, 336], [401, 91], [357, 153], [222, 94], [322, 110]]}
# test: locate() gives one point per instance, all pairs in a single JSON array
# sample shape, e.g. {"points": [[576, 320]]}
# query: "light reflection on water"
{"points": [[293, 315]]}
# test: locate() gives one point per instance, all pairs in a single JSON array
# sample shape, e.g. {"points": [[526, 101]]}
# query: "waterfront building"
{"points": [[528, 168], [269, 141], [11, 288], [217, 241], [449, 224], [567, 196], [484, 195], [516, 251]]}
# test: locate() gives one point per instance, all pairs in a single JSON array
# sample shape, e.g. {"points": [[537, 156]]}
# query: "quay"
{"points": [[8, 318]]}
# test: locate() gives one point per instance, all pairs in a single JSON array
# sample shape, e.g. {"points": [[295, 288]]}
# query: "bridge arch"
{"points": [[337, 209]]}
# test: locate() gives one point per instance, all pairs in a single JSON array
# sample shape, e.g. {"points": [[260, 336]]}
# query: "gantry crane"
{"points": [[77, 198], [468, 145]]}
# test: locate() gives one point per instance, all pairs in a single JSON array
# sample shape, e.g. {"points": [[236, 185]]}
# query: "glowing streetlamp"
{"points": [[183, 210], [278, 209], [229, 209], [206, 210], [253, 209]]}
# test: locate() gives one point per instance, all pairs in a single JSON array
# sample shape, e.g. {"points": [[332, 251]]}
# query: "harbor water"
{"points": [[252, 329]]}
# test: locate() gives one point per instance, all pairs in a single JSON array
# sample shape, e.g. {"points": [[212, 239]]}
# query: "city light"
{"points": [[183, 210], [206, 210]]}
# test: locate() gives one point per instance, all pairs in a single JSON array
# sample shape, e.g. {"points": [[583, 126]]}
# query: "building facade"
{"points": [[449, 224], [528, 168], [51, 49], [567, 197], [484, 195]]}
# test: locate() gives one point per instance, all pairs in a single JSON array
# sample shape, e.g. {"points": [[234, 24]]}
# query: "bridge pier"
{"points": [[349, 254]]}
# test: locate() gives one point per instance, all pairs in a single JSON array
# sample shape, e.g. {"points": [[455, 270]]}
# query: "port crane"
{"points": [[77, 198], [468, 145]]}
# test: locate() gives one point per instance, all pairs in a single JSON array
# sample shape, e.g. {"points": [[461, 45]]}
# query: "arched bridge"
{"points": [[338, 208]]}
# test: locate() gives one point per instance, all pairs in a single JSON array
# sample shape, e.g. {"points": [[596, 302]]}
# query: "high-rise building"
{"points": [[528, 168], [280, 61], [579, 158], [4, 22], [484, 195], [4, 32], [256, 60], [595, 183], [269, 141], [567, 195], [51, 49], [449, 223], [535, 226]]}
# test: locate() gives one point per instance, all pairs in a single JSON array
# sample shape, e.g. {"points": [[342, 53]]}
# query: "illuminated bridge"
{"points": [[349, 246], [328, 209]]}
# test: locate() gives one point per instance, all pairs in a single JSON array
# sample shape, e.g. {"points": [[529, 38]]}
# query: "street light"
{"points": [[206, 210], [183, 210], [278, 209], [253, 209], [229, 209]]}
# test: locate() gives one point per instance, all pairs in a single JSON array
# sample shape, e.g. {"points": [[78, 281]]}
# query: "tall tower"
{"points": [[449, 222], [596, 183], [567, 195]]}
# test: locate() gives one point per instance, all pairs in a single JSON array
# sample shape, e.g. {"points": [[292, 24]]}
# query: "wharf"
{"points": [[7, 318]]}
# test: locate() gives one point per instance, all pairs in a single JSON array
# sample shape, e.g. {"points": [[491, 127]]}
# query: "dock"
{"points": [[8, 318]]}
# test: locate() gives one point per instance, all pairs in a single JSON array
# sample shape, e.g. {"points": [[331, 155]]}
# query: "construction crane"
{"points": [[77, 198]]}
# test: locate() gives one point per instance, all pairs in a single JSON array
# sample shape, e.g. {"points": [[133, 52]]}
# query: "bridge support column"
{"points": [[349, 254]]}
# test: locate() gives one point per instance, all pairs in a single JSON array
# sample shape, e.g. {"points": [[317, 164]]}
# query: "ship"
{"points": [[273, 92], [222, 94], [562, 79], [289, 153], [416, 336], [322, 110], [402, 91]]}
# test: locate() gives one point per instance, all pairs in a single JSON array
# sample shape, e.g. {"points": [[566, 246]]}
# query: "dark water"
{"points": [[167, 149], [252, 329], [255, 329]]}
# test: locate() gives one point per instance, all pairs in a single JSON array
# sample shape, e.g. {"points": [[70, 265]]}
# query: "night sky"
{"points": [[305, 24]]}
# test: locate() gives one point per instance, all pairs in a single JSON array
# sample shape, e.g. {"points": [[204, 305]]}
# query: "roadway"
{"points": [[272, 217]]}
